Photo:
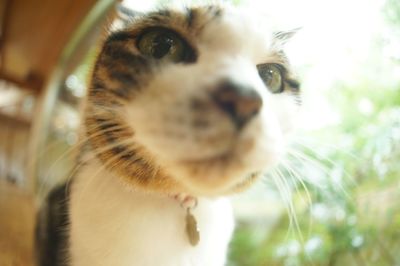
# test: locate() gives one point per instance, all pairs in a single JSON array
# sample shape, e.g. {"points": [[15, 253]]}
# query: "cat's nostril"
{"points": [[239, 102]]}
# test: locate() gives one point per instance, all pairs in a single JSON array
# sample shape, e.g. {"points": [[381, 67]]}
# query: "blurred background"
{"points": [[333, 201]]}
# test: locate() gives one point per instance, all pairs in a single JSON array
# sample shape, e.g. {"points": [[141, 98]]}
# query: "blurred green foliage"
{"points": [[351, 173]]}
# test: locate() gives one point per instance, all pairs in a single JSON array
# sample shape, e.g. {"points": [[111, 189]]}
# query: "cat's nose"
{"points": [[241, 103]]}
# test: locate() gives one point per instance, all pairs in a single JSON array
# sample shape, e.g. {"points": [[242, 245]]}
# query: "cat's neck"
{"points": [[132, 225]]}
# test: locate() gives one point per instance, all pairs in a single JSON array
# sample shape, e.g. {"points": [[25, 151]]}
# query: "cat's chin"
{"points": [[217, 175]]}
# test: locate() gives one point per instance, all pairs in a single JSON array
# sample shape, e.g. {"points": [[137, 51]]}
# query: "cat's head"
{"points": [[198, 101]]}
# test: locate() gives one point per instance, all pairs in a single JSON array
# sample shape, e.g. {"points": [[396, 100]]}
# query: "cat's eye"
{"points": [[160, 43], [271, 74]]}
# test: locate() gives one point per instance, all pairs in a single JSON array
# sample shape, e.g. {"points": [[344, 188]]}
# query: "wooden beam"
{"points": [[35, 34], [3, 12], [13, 121], [32, 82]]}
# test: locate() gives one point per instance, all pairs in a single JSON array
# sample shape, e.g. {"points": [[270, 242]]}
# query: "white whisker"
{"points": [[292, 208], [44, 182], [319, 166], [293, 173]]}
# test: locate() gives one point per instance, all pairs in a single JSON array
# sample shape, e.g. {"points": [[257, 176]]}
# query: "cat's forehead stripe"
{"points": [[119, 36], [192, 19], [189, 19], [190, 16], [200, 17]]}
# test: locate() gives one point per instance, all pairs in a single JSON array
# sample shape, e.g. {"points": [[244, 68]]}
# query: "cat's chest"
{"points": [[111, 225]]}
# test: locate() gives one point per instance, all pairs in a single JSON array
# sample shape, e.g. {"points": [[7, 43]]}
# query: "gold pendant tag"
{"points": [[192, 230]]}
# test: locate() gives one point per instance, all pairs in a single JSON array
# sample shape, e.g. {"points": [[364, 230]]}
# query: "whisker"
{"points": [[294, 174], [292, 208], [93, 156], [69, 152], [69, 178], [284, 195], [312, 142], [332, 163], [104, 166], [319, 166]]}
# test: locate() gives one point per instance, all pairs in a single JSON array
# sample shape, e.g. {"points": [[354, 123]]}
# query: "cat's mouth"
{"points": [[215, 174], [223, 158]]}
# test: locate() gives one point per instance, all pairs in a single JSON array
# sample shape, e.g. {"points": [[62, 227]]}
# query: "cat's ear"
{"points": [[282, 37]]}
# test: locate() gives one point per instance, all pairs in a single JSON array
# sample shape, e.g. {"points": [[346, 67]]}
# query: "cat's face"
{"points": [[205, 99]]}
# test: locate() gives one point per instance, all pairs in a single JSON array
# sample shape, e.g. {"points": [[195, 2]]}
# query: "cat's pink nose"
{"points": [[239, 102]]}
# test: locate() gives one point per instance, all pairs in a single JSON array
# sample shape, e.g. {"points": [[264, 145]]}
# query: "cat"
{"points": [[185, 107]]}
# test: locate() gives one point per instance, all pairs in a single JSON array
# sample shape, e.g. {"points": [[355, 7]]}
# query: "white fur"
{"points": [[113, 225]]}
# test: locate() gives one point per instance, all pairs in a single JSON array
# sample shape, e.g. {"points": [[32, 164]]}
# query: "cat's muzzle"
{"points": [[240, 103]]}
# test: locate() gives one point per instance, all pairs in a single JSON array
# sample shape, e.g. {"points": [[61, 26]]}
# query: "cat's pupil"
{"points": [[161, 45], [268, 75]]}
